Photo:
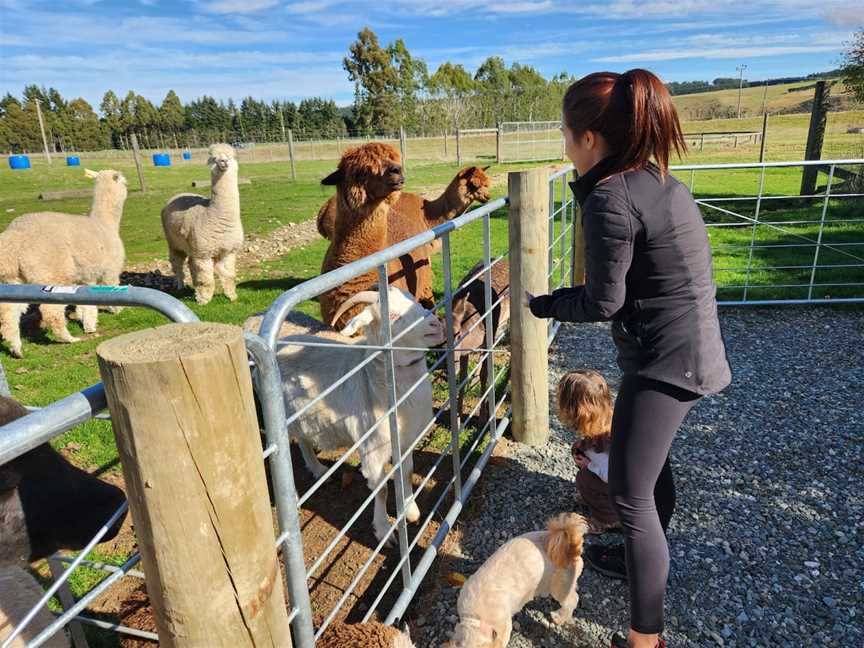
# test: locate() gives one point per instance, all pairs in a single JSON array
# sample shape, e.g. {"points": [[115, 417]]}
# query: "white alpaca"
{"points": [[207, 231], [56, 248]]}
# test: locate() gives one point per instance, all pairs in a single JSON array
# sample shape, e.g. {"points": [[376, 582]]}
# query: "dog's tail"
{"points": [[564, 545]]}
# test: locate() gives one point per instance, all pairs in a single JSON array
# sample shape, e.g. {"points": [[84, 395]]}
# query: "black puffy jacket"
{"points": [[648, 270]]}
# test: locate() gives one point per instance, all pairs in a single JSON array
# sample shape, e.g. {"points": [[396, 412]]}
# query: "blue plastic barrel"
{"points": [[161, 159], [73, 160], [187, 155], [19, 162]]}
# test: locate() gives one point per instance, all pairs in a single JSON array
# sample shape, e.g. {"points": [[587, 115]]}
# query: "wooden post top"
{"points": [[167, 342]]}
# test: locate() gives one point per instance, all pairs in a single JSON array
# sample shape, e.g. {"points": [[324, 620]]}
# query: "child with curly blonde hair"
{"points": [[585, 406]]}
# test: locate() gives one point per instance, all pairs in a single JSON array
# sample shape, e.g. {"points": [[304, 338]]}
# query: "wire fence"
{"points": [[510, 142]]}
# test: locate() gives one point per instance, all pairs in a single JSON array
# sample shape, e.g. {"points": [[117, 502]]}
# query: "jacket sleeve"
{"points": [[608, 254]]}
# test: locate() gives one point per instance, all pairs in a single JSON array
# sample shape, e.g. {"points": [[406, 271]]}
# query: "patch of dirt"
{"points": [[321, 518]]}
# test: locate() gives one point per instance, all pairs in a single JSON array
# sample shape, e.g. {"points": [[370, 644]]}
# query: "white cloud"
{"points": [[309, 7], [239, 6], [716, 53], [846, 16]]}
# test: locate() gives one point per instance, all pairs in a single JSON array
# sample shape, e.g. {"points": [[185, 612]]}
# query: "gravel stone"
{"points": [[767, 542]]}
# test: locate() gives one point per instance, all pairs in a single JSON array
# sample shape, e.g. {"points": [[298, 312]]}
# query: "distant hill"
{"points": [[781, 98]]}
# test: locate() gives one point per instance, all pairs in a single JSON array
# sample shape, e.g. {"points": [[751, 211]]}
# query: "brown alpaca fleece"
{"points": [[363, 635], [368, 181], [412, 214]]}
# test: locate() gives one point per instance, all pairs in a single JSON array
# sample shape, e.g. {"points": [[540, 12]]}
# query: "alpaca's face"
{"points": [[221, 157], [114, 181], [368, 174], [383, 181], [475, 183]]}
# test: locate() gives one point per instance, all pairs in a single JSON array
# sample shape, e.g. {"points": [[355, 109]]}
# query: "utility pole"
{"points": [[42, 130], [740, 69], [765, 98]]}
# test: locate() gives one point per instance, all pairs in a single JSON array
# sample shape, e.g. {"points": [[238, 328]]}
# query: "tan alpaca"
{"points": [[368, 181], [64, 249], [371, 634], [412, 214], [207, 231]]}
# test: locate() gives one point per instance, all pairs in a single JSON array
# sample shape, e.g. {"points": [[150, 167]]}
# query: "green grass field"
{"points": [[782, 97], [50, 370]]}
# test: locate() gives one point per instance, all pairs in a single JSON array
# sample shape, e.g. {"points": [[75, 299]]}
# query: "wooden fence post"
{"points": [[403, 148], [291, 153], [499, 143], [763, 145], [184, 419], [458, 148], [446, 154], [815, 137], [136, 155], [529, 238], [577, 269]]}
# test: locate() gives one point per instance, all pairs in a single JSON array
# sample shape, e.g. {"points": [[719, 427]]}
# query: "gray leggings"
{"points": [[647, 415]]}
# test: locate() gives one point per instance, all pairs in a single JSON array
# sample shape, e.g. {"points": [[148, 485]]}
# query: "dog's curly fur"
{"points": [[366, 187], [534, 564]]}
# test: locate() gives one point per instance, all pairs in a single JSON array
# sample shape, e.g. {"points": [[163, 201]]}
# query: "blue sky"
{"points": [[293, 49]]}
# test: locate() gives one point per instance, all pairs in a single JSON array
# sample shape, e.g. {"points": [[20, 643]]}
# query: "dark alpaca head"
{"points": [[47, 504], [476, 183], [368, 174]]}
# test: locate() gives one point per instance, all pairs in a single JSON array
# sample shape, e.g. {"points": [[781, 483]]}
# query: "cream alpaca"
{"points": [[55, 248], [534, 564], [207, 231]]}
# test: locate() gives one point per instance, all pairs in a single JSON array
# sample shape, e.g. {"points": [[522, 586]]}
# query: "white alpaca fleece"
{"points": [[57, 248], [19, 592], [207, 231], [343, 416]]}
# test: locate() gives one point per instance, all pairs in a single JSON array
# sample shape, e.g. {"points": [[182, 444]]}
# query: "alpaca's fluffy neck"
{"points": [[107, 208], [224, 193], [450, 204], [361, 229]]}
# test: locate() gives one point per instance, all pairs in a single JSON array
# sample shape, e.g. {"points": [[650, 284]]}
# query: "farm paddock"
{"points": [[273, 280]]}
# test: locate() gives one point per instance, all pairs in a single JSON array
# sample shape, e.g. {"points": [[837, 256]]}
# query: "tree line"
{"points": [[392, 89]]}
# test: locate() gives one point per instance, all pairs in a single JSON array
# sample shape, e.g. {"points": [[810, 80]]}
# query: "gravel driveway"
{"points": [[768, 538]]}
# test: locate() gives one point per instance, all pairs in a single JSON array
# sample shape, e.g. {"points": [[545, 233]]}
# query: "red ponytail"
{"points": [[634, 113]]}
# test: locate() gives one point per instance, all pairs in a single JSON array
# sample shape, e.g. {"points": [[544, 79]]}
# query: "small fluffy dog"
{"points": [[540, 563]]}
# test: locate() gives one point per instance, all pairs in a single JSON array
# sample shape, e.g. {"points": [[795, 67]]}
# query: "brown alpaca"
{"points": [[412, 214], [469, 306], [368, 181]]}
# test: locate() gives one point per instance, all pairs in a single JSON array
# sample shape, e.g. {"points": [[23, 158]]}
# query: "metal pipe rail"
{"points": [[792, 227], [42, 425]]}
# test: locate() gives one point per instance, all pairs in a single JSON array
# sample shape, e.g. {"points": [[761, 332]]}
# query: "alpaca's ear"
{"points": [[334, 178], [486, 168], [359, 321], [91, 174]]}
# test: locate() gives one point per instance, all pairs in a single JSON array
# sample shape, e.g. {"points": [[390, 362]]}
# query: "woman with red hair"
{"points": [[648, 271]]}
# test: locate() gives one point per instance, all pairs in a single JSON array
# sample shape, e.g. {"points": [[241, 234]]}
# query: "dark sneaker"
{"points": [[607, 559], [619, 641]]}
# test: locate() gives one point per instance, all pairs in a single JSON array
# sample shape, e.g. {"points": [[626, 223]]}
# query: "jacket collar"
{"points": [[584, 185]]}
